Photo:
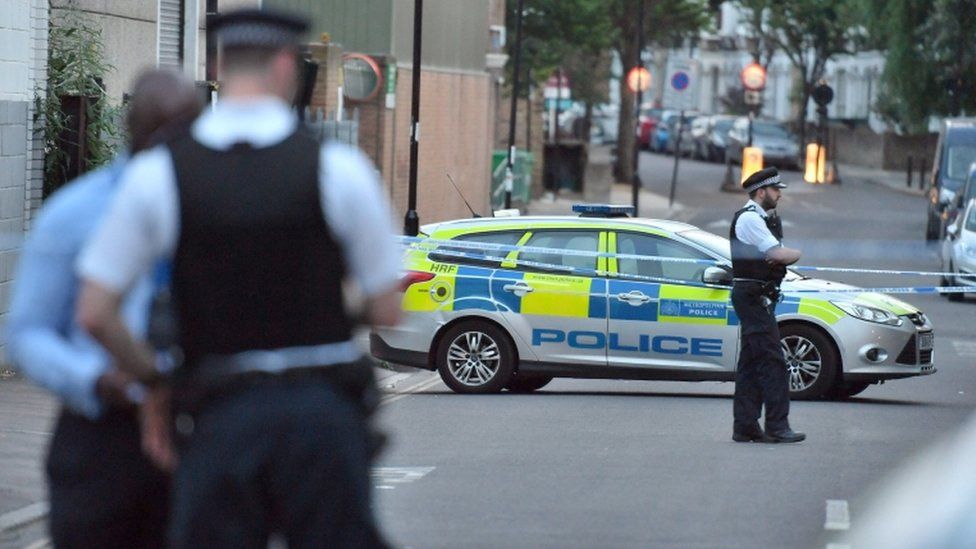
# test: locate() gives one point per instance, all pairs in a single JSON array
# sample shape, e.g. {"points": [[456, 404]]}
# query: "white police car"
{"points": [[497, 303]]}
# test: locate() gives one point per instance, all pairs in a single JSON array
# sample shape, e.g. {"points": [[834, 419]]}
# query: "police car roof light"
{"points": [[603, 210]]}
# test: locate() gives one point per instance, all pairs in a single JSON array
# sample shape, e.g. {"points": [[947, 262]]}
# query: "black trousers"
{"points": [[284, 455], [103, 491], [761, 376]]}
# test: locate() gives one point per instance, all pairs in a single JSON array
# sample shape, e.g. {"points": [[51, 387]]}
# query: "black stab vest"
{"points": [[256, 266], [747, 260]]}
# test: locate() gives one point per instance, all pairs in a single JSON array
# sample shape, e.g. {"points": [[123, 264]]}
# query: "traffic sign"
{"points": [[682, 91], [680, 80], [753, 77], [638, 79], [823, 94], [753, 98]]}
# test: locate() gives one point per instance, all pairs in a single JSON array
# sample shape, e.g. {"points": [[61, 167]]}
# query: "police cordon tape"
{"points": [[449, 248]]}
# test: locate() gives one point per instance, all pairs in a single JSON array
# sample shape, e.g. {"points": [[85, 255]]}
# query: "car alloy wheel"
{"points": [[475, 357], [811, 361]]}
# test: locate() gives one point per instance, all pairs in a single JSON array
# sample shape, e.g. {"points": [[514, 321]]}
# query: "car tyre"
{"points": [[812, 361], [475, 357], [951, 281], [526, 383]]}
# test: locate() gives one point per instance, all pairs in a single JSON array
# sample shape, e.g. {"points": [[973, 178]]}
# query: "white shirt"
{"points": [[143, 222], [751, 228]]}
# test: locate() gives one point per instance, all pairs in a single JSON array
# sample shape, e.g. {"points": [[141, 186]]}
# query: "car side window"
{"points": [[656, 246], [971, 220], [580, 241], [482, 258]]}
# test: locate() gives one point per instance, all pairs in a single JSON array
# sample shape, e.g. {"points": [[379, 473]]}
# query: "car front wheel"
{"points": [[812, 361], [475, 357]]}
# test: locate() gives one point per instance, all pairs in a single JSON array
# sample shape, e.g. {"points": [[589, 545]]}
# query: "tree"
{"points": [[809, 33], [666, 22], [571, 35], [930, 67]]}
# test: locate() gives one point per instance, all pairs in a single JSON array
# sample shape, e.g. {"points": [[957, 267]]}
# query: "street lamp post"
{"points": [[635, 180], [411, 222], [516, 68]]}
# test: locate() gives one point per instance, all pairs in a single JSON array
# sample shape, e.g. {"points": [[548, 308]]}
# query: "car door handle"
{"points": [[519, 288], [634, 297]]}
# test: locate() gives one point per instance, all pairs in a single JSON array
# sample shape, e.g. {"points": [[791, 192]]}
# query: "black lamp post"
{"points": [[516, 69], [635, 181], [411, 222]]}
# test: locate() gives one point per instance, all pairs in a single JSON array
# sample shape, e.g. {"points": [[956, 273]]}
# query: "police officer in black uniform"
{"points": [[759, 263], [264, 224]]}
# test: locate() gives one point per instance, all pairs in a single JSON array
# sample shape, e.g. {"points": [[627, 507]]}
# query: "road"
{"points": [[651, 464]]}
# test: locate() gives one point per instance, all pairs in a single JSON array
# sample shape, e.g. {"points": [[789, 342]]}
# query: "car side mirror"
{"points": [[717, 275]]}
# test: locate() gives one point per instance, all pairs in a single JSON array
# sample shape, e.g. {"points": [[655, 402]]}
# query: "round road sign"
{"points": [[638, 79], [680, 80], [753, 77]]}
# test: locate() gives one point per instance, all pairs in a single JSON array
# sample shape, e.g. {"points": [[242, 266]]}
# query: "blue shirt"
{"points": [[43, 339]]}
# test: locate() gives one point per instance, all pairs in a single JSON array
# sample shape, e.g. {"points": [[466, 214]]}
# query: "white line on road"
{"points": [[417, 389], [386, 477], [23, 516], [838, 515], [964, 348]]}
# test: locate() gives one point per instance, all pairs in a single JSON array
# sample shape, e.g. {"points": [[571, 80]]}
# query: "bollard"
{"points": [[908, 173], [921, 173]]}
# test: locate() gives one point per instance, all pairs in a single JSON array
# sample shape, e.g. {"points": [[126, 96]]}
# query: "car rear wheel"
{"points": [[951, 281], [475, 357], [811, 361], [521, 383]]}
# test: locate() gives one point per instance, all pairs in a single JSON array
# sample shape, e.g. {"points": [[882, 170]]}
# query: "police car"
{"points": [[511, 303]]}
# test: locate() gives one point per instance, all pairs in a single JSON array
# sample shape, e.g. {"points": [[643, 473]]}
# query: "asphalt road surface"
{"points": [[651, 464]]}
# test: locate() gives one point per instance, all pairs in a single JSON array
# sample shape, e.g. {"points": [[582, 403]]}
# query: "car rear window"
{"points": [[483, 258]]}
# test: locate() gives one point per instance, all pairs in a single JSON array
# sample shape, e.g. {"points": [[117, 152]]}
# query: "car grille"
{"points": [[911, 355]]}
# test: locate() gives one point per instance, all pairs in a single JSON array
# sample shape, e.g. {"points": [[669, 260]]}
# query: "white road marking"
{"points": [[838, 515], [964, 348], [417, 389], [44, 543], [838, 546], [387, 477], [23, 516]]}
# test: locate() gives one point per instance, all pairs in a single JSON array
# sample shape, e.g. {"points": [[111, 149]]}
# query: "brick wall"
{"points": [[455, 138]]}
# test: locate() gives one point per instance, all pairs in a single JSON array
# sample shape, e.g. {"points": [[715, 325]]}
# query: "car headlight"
{"points": [[870, 314]]}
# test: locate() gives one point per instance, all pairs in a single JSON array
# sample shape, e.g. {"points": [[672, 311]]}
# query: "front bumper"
{"points": [[875, 352]]}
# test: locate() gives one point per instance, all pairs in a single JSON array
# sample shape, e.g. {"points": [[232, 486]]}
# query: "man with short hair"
{"points": [[759, 262], [103, 491], [263, 223]]}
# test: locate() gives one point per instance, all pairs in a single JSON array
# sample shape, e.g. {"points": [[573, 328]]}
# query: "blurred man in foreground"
{"points": [[103, 491], [263, 224]]}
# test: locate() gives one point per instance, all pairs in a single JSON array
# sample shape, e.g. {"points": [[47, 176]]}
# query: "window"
{"points": [[971, 220], [581, 241], [648, 245], [485, 258], [958, 160]]}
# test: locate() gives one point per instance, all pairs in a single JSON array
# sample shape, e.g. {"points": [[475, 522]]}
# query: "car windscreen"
{"points": [[723, 126], [958, 158], [771, 130]]}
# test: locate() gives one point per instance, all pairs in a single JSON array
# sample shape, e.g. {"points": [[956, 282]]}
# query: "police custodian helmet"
{"points": [[257, 28], [768, 177]]}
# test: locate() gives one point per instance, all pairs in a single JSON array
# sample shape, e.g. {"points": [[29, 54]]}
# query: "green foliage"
{"points": [[930, 68], [76, 67]]}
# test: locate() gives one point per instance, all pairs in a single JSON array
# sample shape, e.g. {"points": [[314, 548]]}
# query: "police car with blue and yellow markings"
{"points": [[510, 303]]}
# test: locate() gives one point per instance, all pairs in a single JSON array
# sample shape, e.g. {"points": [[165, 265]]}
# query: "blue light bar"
{"points": [[603, 210]]}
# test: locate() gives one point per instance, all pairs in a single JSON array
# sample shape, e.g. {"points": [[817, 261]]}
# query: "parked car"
{"points": [[778, 146], [659, 136], [959, 250], [955, 151], [647, 122], [710, 135], [606, 119], [687, 145]]}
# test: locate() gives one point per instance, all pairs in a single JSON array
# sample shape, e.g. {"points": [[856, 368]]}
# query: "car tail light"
{"points": [[413, 277]]}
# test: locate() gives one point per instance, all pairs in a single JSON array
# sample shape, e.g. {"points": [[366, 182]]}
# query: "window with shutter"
{"points": [[170, 34]]}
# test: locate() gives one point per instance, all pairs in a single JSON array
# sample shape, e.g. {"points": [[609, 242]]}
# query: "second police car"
{"points": [[510, 303]]}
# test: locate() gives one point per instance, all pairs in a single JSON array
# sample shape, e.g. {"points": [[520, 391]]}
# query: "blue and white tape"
{"points": [[438, 245]]}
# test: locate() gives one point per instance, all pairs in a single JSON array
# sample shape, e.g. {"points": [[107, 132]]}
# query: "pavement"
{"points": [[29, 412]]}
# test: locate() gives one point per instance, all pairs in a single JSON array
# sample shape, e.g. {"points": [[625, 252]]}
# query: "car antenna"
{"points": [[470, 209]]}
